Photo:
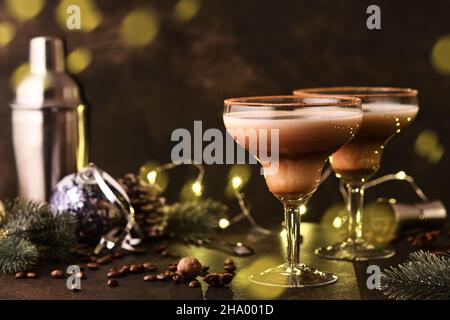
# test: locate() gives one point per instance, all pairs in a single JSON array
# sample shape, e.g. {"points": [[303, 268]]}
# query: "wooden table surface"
{"points": [[269, 252]]}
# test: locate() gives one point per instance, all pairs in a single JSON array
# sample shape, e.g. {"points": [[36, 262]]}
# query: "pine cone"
{"points": [[147, 204]]}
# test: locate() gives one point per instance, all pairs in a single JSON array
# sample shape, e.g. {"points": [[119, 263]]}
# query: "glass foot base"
{"points": [[352, 251], [300, 276]]}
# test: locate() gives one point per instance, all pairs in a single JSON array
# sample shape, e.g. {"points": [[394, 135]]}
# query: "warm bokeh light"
{"points": [[440, 55], [197, 188], [7, 32], [400, 175], [240, 171], [90, 15], [78, 60], [151, 176], [191, 190], [147, 173], [19, 73], [185, 10], [303, 209], [23, 9], [139, 27], [427, 146], [224, 223], [236, 182]]}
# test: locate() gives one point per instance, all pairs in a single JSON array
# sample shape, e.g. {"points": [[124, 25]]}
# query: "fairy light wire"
{"points": [[399, 176]]}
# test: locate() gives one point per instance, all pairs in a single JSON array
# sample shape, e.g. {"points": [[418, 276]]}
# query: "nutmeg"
{"points": [[189, 267]]}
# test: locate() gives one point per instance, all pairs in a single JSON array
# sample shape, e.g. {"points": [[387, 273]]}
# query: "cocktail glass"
{"points": [[303, 132], [386, 112]]}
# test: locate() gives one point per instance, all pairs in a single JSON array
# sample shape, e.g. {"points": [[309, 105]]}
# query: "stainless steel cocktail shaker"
{"points": [[48, 122]]}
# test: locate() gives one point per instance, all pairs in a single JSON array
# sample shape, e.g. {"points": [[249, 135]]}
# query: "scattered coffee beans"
{"points": [[32, 275], [148, 266], [136, 268], [57, 274], [112, 283], [113, 274], [92, 265], [149, 277], [172, 267], [229, 267], [161, 276], [176, 278], [194, 284], [20, 275]]}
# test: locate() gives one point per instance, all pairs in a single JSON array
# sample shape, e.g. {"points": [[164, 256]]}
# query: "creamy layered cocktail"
{"points": [[307, 137], [386, 112], [360, 159], [308, 131]]}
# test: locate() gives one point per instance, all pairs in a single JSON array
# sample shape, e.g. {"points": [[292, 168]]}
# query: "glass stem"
{"points": [[292, 218], [355, 202]]}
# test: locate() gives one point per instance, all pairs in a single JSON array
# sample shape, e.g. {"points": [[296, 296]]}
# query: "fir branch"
{"points": [[17, 254], [32, 231], [192, 219], [424, 276]]}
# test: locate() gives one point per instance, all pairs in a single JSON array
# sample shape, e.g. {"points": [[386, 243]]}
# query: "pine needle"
{"points": [[425, 276]]}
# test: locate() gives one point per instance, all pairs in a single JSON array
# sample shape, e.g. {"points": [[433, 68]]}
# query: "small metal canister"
{"points": [[48, 122], [426, 215]]}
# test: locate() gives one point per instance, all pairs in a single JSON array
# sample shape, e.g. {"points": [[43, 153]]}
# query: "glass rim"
{"points": [[264, 101], [360, 91]]}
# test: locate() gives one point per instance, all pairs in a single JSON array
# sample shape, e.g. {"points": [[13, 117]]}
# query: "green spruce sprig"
{"points": [[425, 276], [194, 219], [29, 231]]}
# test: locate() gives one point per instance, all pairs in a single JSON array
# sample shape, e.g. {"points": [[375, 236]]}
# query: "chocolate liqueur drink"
{"points": [[302, 134], [386, 112]]}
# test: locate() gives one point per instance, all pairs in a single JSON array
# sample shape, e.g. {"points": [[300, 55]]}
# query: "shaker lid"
{"points": [[47, 85]]}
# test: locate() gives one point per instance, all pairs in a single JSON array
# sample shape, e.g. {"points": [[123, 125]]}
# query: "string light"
{"points": [[224, 223], [197, 190]]}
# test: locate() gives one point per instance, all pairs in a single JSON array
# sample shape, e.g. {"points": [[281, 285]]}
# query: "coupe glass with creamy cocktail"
{"points": [[386, 112], [307, 131]]}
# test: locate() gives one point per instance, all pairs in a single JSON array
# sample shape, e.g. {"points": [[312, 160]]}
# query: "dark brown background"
{"points": [[236, 48]]}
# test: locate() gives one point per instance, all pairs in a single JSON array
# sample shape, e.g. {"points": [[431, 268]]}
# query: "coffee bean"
{"points": [[20, 275], [172, 267], [205, 268], [57, 274], [103, 260], [112, 283], [148, 266], [81, 275], [229, 267], [227, 277], [92, 265], [177, 278], [161, 276], [149, 277], [124, 269], [228, 261], [113, 274], [194, 284], [136, 268], [32, 275]]}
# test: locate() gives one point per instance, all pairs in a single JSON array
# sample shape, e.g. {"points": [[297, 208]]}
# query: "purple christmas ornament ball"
{"points": [[82, 195]]}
